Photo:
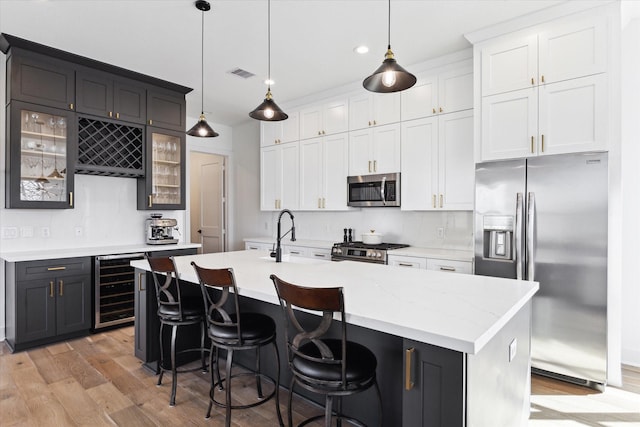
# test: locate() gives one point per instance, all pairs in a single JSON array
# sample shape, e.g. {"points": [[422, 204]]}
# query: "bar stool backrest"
{"points": [[223, 280], [167, 284], [328, 302]]}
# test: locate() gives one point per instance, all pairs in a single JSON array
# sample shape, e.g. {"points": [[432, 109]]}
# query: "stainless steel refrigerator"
{"points": [[545, 219]]}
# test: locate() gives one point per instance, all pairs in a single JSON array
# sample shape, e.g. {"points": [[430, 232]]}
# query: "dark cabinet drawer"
{"points": [[63, 267]]}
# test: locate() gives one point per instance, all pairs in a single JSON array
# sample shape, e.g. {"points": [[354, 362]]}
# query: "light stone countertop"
{"points": [[18, 256], [461, 312]]}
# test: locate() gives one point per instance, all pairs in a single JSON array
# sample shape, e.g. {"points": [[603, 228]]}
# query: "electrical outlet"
{"points": [[26, 231], [512, 349], [78, 231], [9, 232], [440, 232], [45, 232]]}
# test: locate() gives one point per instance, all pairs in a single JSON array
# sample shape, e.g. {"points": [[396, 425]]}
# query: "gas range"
{"points": [[358, 251]]}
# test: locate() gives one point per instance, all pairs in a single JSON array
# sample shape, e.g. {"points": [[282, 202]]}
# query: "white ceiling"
{"points": [[312, 41]]}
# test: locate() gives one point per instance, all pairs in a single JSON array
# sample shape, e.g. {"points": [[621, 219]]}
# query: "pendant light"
{"points": [[268, 110], [202, 128], [390, 76]]}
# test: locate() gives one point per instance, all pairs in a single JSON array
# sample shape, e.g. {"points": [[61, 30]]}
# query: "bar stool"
{"points": [[332, 367], [232, 332], [175, 310]]}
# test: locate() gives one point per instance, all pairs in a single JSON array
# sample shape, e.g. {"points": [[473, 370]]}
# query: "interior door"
{"points": [[208, 201]]}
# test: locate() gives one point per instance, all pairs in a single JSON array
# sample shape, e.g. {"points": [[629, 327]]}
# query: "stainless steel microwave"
{"points": [[374, 190]]}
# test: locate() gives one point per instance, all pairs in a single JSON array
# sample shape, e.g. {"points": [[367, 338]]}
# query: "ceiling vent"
{"points": [[241, 73]]}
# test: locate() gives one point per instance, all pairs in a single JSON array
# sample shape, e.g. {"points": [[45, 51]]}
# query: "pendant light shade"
{"points": [[268, 111], [202, 129], [390, 76]]}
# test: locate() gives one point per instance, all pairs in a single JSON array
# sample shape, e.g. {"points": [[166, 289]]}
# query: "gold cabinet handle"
{"points": [[369, 122], [441, 109], [110, 113], [150, 121], [374, 123], [532, 144], [71, 198], [369, 165], [117, 115], [408, 361], [542, 142], [542, 78], [441, 200], [51, 289], [434, 201], [71, 106], [323, 132], [434, 110], [140, 288], [319, 203], [150, 201], [323, 206], [319, 133], [375, 166], [56, 268], [61, 287], [532, 82]]}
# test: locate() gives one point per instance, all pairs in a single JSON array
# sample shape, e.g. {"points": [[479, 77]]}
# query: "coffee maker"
{"points": [[160, 230]]}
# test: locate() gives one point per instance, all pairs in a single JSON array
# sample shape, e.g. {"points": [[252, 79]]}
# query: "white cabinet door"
{"points": [[419, 154], [420, 100], [270, 177], [456, 177], [311, 174], [290, 176], [360, 152], [386, 108], [270, 133], [455, 90], [311, 122], [386, 149], [509, 64], [291, 127], [335, 168], [360, 111], [336, 117], [573, 48], [510, 124], [573, 116]]}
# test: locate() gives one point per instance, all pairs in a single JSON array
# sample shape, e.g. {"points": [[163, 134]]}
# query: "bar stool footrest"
{"points": [[250, 405]]}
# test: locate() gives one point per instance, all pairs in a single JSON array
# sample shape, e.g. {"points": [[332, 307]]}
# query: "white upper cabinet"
{"points": [[323, 173], [279, 177], [375, 150], [281, 131], [324, 119], [373, 109], [545, 92], [437, 163], [448, 91]]}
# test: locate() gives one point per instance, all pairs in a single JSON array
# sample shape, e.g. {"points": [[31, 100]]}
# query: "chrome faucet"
{"points": [[278, 252]]}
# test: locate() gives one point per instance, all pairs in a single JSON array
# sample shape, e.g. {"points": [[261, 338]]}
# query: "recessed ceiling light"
{"points": [[361, 49], [269, 82]]}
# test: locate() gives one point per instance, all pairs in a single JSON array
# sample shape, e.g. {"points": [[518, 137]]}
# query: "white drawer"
{"points": [[465, 267], [407, 261], [257, 246], [320, 253]]}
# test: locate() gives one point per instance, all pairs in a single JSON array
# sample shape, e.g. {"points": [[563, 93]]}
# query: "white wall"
{"points": [[630, 147]]}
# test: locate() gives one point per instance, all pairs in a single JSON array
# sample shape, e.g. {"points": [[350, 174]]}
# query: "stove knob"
{"points": [[369, 253], [378, 254]]}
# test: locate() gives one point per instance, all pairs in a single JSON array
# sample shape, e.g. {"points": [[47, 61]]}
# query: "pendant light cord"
{"points": [[269, 43], [389, 27], [202, 66]]}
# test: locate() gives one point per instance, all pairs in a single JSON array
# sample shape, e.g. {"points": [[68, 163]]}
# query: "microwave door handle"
{"points": [[384, 202]]}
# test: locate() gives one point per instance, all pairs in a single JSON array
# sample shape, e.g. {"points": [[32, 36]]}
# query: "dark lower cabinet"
{"points": [[434, 386], [47, 301]]}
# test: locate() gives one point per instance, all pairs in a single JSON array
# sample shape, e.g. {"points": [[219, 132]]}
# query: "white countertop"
{"points": [[90, 251], [457, 311], [449, 254]]}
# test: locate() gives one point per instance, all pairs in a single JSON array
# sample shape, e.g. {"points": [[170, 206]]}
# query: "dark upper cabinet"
{"points": [[166, 109], [40, 156], [40, 79], [163, 184], [109, 96]]}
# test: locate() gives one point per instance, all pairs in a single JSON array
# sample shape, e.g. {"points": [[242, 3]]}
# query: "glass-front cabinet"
{"points": [[40, 153], [163, 185]]}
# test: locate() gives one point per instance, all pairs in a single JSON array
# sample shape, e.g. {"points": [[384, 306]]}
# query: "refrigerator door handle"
{"points": [[531, 217], [518, 236]]}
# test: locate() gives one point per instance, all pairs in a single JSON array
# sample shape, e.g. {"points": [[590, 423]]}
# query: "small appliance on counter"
{"points": [[160, 230]]}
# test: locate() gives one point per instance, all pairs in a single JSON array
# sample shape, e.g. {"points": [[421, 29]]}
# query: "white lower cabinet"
{"points": [[323, 173], [258, 246], [464, 267], [308, 252], [437, 163]]}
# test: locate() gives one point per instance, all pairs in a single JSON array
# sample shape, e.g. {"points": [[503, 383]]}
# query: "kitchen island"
{"points": [[452, 349]]}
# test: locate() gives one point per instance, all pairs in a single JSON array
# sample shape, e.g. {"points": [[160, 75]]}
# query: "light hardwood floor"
{"points": [[96, 380]]}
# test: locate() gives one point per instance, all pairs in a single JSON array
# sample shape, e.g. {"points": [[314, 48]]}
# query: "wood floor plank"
{"points": [[78, 404], [29, 382], [85, 374], [13, 407], [46, 410], [109, 398], [132, 416], [48, 365]]}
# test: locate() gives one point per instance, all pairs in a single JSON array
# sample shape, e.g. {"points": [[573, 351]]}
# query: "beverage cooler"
{"points": [[114, 290]]}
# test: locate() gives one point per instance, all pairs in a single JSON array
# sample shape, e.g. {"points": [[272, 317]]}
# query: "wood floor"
{"points": [[96, 381]]}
